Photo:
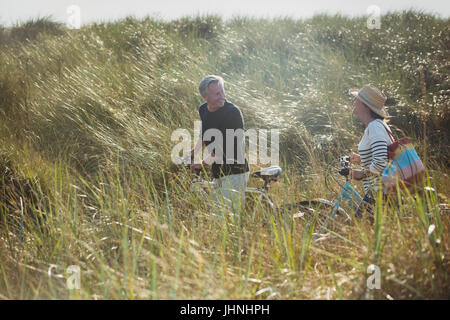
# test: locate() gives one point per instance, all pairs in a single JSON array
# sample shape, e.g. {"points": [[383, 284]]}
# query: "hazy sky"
{"points": [[12, 11]]}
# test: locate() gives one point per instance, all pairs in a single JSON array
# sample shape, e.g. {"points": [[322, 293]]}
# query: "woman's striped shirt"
{"points": [[373, 151]]}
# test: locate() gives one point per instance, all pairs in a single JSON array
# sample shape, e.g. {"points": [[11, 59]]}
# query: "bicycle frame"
{"points": [[262, 193], [348, 193], [202, 186]]}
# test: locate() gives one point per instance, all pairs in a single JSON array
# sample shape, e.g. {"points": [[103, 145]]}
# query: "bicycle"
{"points": [[317, 210], [349, 194], [331, 216], [327, 215], [202, 186]]}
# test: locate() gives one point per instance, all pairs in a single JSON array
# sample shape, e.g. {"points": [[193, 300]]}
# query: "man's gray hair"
{"points": [[203, 87]]}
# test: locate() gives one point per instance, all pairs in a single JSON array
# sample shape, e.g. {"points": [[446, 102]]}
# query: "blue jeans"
{"points": [[230, 191], [367, 204]]}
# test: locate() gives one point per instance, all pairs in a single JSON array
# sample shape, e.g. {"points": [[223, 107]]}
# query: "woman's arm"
{"points": [[378, 138], [379, 156]]}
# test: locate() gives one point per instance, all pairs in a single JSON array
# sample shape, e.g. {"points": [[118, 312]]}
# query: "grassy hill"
{"points": [[85, 126]]}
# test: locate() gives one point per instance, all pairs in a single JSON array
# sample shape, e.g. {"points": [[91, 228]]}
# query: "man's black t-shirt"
{"points": [[227, 117]]}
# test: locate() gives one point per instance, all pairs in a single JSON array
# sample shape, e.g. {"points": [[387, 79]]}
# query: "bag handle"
{"points": [[389, 133]]}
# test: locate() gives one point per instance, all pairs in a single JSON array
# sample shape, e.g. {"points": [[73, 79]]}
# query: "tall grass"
{"points": [[86, 120]]}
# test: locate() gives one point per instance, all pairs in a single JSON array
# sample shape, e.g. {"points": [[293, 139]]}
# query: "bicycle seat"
{"points": [[270, 173]]}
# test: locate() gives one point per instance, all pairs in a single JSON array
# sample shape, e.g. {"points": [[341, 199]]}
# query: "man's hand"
{"points": [[197, 166], [197, 149], [357, 174]]}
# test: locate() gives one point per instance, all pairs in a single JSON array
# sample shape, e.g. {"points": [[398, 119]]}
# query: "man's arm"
{"points": [[198, 147], [210, 159], [236, 121]]}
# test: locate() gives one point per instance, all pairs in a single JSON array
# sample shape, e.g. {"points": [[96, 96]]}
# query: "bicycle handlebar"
{"points": [[186, 163], [344, 160], [345, 163]]}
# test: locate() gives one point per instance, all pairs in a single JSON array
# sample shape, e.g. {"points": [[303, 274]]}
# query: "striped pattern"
{"points": [[374, 159], [406, 169], [373, 150]]}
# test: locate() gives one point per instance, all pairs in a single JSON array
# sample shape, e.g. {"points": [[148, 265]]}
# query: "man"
{"points": [[226, 150]]}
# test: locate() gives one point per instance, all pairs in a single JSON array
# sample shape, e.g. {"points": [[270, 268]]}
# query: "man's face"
{"points": [[216, 95]]}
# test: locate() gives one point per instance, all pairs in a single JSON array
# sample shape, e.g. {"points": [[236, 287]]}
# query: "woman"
{"points": [[369, 109]]}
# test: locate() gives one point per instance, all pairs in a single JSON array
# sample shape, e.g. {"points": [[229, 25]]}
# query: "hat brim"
{"points": [[381, 112]]}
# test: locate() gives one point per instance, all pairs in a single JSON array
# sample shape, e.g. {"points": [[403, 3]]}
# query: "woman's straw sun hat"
{"points": [[372, 98]]}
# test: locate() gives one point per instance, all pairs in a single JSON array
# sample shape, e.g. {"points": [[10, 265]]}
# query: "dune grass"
{"points": [[87, 180]]}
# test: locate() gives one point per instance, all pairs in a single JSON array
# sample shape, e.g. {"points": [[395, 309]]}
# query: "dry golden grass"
{"points": [[85, 125]]}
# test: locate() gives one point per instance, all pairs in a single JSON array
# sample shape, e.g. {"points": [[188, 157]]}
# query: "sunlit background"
{"points": [[101, 10], [87, 116]]}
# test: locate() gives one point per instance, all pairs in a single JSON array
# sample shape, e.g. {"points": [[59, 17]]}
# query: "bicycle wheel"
{"points": [[319, 211], [258, 204]]}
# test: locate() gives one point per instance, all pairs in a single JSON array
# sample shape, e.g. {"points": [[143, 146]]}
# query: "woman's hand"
{"points": [[357, 174], [355, 157]]}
